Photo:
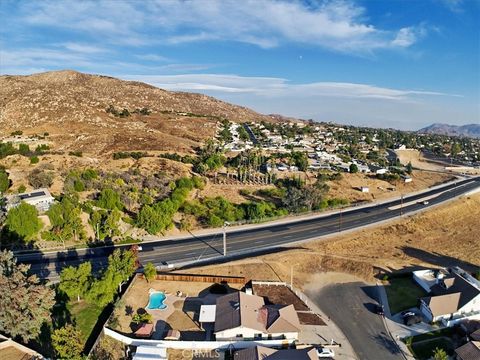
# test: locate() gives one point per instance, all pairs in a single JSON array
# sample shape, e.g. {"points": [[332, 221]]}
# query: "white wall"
{"points": [[206, 345], [247, 333]]}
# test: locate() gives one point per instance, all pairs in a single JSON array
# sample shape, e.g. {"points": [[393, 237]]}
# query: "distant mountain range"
{"points": [[470, 130]]}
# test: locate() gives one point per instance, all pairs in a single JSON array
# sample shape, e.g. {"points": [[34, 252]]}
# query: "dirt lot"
{"points": [[417, 160], [348, 187], [280, 295], [443, 236]]}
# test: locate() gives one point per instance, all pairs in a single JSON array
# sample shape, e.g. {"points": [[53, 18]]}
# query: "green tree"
{"points": [[409, 168], [440, 354], [65, 220], [301, 160], [75, 281], [23, 221], [353, 168], [149, 271], [123, 264], [4, 181], [67, 342], [25, 304], [109, 199]]}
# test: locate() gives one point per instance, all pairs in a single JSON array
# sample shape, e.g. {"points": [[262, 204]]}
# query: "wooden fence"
{"points": [[202, 278]]}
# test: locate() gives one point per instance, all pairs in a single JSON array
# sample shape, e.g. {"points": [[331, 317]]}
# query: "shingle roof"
{"points": [[469, 351], [239, 309], [263, 353], [451, 295]]}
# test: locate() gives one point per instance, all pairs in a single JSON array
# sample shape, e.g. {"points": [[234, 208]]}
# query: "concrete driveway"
{"points": [[352, 307]]}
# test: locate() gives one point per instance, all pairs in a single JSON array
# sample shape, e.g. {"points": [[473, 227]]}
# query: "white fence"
{"points": [[473, 316], [194, 345]]}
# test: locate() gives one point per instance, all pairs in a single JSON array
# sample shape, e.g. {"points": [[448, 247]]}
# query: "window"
{"points": [[239, 335], [257, 336]]}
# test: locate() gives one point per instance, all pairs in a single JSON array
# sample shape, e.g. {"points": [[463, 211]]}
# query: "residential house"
{"points": [[11, 350], [240, 316], [40, 198], [264, 353], [453, 295]]}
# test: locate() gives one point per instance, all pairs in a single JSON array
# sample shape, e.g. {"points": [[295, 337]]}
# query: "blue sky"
{"points": [[392, 63]]}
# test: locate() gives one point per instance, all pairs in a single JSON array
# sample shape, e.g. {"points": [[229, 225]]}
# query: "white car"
{"points": [[325, 353]]}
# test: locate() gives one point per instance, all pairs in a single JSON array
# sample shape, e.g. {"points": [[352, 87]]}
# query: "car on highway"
{"points": [[425, 202]]}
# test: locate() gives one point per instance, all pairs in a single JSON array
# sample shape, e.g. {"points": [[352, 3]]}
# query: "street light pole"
{"points": [[225, 224]]}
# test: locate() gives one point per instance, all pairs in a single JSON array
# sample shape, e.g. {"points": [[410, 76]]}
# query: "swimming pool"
{"points": [[156, 301]]}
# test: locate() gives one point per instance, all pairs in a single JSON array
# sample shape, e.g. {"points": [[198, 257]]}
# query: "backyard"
{"points": [[183, 301], [422, 346], [402, 293], [85, 316]]}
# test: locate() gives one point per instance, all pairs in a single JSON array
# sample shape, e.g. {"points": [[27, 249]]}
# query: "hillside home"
{"points": [[240, 316], [40, 198], [264, 353], [454, 295]]}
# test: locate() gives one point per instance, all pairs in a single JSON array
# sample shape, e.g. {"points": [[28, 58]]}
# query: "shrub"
{"points": [[21, 189], [78, 185], [142, 318], [16, 133], [75, 153], [34, 159], [39, 178]]}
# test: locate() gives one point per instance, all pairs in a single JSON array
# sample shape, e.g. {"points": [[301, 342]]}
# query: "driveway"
{"points": [[351, 306]]}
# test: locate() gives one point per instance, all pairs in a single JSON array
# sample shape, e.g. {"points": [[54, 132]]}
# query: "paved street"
{"points": [[247, 242], [351, 306]]}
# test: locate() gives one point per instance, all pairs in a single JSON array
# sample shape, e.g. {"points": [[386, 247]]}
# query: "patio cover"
{"points": [[150, 352], [145, 330], [207, 313]]}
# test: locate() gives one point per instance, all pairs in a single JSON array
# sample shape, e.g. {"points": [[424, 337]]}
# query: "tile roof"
{"points": [[469, 351]]}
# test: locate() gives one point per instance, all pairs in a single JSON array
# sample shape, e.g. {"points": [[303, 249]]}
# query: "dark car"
{"points": [[379, 309], [407, 313], [412, 320]]}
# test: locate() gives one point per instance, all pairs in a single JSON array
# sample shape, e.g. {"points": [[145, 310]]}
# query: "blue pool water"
{"points": [[156, 301]]}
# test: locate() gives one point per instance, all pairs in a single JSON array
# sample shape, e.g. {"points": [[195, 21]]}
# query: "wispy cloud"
{"points": [[453, 5], [339, 25], [277, 87]]}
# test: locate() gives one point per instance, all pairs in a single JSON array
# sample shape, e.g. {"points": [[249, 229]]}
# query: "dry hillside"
{"points": [[71, 107], [444, 236]]}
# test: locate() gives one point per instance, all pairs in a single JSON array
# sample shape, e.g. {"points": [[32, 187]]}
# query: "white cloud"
{"points": [[453, 5], [339, 25], [408, 36], [271, 87], [82, 48]]}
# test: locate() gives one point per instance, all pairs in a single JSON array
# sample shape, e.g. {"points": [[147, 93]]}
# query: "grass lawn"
{"points": [[403, 294], [424, 349], [85, 316]]}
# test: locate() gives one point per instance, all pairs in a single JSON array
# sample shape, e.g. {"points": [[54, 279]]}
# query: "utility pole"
{"points": [[340, 221], [401, 204], [224, 227]]}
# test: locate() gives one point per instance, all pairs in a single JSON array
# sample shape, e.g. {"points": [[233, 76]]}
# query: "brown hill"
{"points": [[71, 107]]}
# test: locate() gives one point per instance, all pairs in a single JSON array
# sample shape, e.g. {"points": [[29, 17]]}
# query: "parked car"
{"points": [[325, 353], [379, 309], [412, 320], [407, 313]]}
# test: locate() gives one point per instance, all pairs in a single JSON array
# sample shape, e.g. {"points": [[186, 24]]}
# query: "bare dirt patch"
{"points": [[279, 295]]}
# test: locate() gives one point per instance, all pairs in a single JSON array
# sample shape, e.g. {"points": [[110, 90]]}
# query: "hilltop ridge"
{"points": [[98, 114]]}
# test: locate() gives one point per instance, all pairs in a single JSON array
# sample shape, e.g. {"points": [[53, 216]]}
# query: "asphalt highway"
{"points": [[242, 242]]}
